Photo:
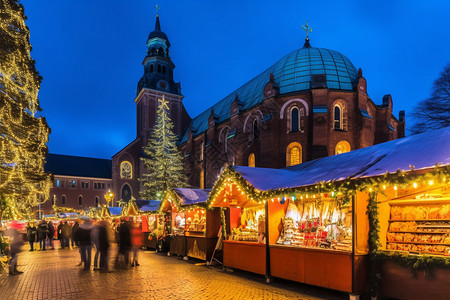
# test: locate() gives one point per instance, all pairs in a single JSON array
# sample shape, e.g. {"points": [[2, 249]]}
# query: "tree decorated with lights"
{"points": [[162, 160], [23, 133]]}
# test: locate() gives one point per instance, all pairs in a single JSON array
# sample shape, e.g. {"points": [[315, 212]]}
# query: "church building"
{"points": [[311, 103]]}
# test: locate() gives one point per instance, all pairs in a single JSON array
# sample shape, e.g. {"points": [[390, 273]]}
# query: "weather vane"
{"points": [[308, 29], [164, 102], [157, 10]]}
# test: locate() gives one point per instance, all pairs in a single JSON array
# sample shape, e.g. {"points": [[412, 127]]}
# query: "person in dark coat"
{"points": [[103, 245], [42, 234], [83, 236], [75, 227], [59, 230], [65, 235], [124, 243], [51, 234], [15, 244], [31, 235]]}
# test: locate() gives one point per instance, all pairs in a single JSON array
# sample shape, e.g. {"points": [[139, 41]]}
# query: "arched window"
{"points": [[63, 200], [294, 119], [202, 179], [96, 201], [164, 69], [251, 160], [126, 170], [80, 200], [151, 68], [337, 117], [342, 147], [126, 193], [255, 130], [293, 154], [202, 150], [159, 68], [225, 141], [160, 51]]}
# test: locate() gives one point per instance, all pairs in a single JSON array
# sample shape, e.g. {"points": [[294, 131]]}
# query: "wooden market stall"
{"points": [[174, 225], [244, 246], [322, 217], [152, 222], [192, 223]]}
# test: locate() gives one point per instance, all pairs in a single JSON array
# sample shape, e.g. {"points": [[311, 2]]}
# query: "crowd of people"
{"points": [[87, 235]]}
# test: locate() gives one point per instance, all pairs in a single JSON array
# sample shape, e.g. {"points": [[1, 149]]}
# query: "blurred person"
{"points": [[15, 244], [75, 227], [83, 236], [124, 243], [65, 235], [104, 237], [31, 235], [58, 231], [51, 235], [136, 242], [42, 234], [95, 242]]}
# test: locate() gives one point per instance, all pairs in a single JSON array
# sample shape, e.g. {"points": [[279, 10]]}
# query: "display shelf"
{"points": [[421, 232], [419, 243], [415, 202], [419, 220]]}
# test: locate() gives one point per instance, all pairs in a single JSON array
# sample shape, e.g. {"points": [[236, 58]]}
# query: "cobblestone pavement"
{"points": [[53, 274]]}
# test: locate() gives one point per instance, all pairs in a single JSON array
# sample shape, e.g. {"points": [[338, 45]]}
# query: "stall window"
{"points": [[293, 154], [247, 224], [195, 222], [342, 147], [314, 222], [251, 160]]}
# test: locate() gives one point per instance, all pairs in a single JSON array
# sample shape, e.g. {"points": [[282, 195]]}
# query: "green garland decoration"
{"points": [[345, 188], [223, 222], [374, 245]]}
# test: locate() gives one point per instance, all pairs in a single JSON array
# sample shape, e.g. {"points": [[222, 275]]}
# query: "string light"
{"points": [[415, 185]]}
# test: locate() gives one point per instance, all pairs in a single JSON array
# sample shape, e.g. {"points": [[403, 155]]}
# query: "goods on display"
{"points": [[178, 223], [196, 221], [251, 226], [420, 225], [317, 224]]}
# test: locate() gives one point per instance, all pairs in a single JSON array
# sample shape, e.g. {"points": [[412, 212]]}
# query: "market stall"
{"points": [[244, 246], [152, 223], [193, 228], [201, 225], [322, 216], [174, 225]]}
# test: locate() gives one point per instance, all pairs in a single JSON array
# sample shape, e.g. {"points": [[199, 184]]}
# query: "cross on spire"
{"points": [[308, 29], [157, 10], [164, 102]]}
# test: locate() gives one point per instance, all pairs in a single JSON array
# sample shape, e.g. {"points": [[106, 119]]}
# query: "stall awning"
{"points": [[191, 196], [115, 211], [148, 205], [421, 151]]}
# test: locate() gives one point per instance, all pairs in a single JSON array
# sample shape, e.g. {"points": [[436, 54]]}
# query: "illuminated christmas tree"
{"points": [[23, 132], [163, 161]]}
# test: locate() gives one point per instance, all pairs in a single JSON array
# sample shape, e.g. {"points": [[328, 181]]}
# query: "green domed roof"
{"points": [[292, 73]]}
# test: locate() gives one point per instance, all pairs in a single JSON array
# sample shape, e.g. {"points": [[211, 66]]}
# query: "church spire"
{"points": [[157, 25]]}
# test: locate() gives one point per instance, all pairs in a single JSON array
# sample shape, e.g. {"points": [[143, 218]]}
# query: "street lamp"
{"points": [[109, 197]]}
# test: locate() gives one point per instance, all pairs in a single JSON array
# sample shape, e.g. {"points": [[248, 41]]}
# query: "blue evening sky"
{"points": [[90, 53]]}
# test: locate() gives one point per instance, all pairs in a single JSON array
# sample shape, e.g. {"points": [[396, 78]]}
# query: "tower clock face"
{"points": [[163, 85]]}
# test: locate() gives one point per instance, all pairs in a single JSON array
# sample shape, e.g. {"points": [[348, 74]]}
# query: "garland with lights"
{"points": [[173, 199], [23, 133], [343, 190]]}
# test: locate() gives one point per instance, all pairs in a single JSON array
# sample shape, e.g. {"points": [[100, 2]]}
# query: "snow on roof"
{"points": [[421, 151], [191, 196], [148, 205], [115, 211]]}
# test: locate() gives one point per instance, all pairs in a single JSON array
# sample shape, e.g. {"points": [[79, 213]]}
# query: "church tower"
{"points": [[157, 81]]}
